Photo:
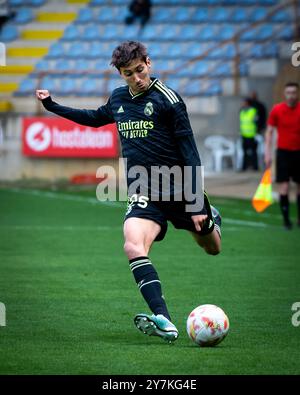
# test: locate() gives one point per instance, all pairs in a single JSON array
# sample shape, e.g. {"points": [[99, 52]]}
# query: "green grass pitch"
{"points": [[70, 297]]}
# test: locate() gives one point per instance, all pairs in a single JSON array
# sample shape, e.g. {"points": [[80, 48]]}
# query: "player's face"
{"points": [[291, 94], [137, 75]]}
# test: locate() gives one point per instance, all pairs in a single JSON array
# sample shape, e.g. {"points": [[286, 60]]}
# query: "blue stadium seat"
{"points": [[9, 33], [161, 15], [196, 49], [285, 33], [105, 14], [114, 83], [151, 32], [192, 88], [227, 51], [43, 65], [243, 69], [174, 50], [85, 15], [56, 50], [63, 65], [265, 32], [91, 32], [27, 86], [173, 83], [95, 50], [167, 34], [82, 65], [102, 66], [72, 32], [76, 49], [121, 14], [219, 15], [36, 3], [281, 16], [182, 14], [239, 15], [48, 83], [24, 15], [214, 88], [16, 3], [90, 87], [97, 2], [199, 68], [257, 14], [160, 66], [201, 15], [225, 32], [208, 32], [155, 50], [222, 70], [110, 32], [130, 32], [66, 86], [187, 33]]}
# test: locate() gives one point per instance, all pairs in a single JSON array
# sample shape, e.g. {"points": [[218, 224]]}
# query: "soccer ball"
{"points": [[207, 325]]}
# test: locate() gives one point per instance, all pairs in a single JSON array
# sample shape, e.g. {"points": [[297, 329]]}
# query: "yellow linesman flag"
{"points": [[263, 195]]}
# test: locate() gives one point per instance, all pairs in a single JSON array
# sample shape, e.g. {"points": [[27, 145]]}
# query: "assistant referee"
{"points": [[285, 117]]}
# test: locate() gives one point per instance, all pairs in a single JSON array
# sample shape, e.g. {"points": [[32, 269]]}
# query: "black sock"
{"points": [[148, 282], [298, 207], [284, 206]]}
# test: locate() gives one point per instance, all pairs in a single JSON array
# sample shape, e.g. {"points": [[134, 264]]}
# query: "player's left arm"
{"points": [[188, 149]]}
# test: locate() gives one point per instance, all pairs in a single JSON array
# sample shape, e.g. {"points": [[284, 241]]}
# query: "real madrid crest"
{"points": [[148, 110]]}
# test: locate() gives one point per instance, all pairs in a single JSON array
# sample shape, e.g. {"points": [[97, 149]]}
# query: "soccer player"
{"points": [[285, 117], [154, 129]]}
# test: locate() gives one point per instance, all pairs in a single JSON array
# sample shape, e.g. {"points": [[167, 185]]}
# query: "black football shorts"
{"points": [[287, 165], [162, 212]]}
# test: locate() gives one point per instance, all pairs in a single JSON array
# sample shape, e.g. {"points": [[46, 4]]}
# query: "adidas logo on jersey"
{"points": [[120, 109]]}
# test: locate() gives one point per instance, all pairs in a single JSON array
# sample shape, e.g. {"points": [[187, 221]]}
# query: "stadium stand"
{"points": [[80, 37]]}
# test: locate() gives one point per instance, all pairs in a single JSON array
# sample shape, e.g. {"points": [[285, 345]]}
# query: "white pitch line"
{"points": [[63, 196], [56, 228]]}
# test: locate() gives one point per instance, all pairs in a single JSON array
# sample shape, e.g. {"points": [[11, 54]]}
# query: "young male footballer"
{"points": [[155, 132]]}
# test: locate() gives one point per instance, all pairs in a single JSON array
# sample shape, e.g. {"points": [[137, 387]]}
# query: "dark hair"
{"points": [[294, 84], [126, 52]]}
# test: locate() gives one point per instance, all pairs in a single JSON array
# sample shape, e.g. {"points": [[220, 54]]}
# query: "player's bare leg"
{"points": [[139, 234], [283, 189], [298, 204], [211, 243]]}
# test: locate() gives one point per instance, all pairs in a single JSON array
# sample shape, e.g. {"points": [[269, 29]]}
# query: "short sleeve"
{"points": [[272, 120]]}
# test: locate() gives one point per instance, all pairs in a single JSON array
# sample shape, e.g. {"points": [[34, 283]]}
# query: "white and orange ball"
{"points": [[207, 325]]}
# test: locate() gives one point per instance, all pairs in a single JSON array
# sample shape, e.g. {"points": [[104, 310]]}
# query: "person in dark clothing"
{"points": [[248, 130], [261, 112], [139, 9]]}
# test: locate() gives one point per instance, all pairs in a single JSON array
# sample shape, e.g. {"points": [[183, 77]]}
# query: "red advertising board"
{"points": [[59, 137]]}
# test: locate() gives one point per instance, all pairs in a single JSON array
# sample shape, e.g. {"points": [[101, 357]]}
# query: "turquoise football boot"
{"points": [[156, 325]]}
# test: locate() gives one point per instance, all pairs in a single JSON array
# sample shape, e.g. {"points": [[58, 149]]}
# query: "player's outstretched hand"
{"points": [[42, 94], [199, 221]]}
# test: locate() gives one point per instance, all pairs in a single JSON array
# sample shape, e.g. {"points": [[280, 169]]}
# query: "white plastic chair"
{"points": [[221, 148]]}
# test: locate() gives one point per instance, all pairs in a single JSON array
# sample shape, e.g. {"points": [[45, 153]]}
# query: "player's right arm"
{"points": [[94, 118], [272, 122], [268, 145]]}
